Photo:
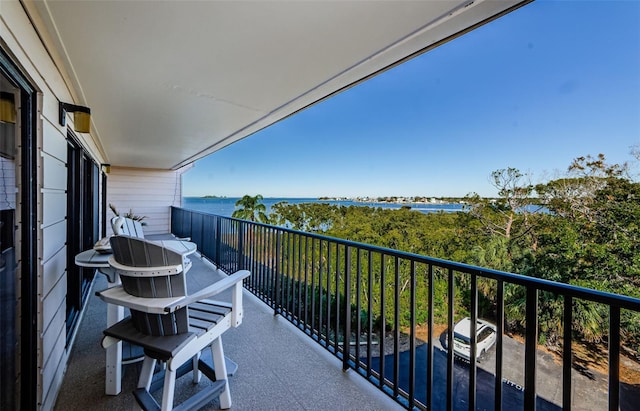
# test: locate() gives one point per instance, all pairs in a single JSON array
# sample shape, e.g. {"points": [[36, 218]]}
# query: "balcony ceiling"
{"points": [[170, 82]]}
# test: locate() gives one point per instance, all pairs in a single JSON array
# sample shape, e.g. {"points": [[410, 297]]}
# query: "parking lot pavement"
{"points": [[589, 389]]}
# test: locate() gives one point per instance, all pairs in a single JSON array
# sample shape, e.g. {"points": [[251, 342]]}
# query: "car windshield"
{"points": [[461, 338]]}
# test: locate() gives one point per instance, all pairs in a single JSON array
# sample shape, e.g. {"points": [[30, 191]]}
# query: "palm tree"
{"points": [[251, 208]]}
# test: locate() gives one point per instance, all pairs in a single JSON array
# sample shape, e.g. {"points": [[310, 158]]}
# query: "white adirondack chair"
{"points": [[171, 325], [133, 228], [127, 226]]}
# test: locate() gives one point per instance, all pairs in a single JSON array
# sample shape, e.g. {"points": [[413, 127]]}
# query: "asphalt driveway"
{"points": [[589, 389]]}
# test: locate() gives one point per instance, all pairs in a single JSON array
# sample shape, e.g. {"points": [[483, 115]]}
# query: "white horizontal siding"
{"points": [[50, 234], [55, 144], [28, 50], [56, 209], [53, 269], [51, 370], [52, 179], [52, 302], [53, 343], [51, 337], [55, 173], [148, 193]]}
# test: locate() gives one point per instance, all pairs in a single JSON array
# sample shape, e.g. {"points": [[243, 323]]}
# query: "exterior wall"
{"points": [[18, 38], [52, 278], [147, 193]]}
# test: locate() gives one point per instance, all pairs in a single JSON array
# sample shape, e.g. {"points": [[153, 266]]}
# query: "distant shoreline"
{"points": [[399, 200], [385, 199], [225, 206]]}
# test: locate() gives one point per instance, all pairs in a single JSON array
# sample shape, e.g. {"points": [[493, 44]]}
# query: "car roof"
{"points": [[463, 327]]}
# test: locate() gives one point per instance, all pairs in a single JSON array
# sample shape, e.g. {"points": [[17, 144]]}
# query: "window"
{"points": [[484, 334]]}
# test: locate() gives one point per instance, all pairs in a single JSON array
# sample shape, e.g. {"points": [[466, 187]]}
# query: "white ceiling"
{"points": [[169, 82]]}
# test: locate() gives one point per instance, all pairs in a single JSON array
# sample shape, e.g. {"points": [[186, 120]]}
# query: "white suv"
{"points": [[485, 338]]}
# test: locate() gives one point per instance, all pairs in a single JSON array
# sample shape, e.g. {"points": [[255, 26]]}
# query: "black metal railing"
{"points": [[384, 314]]}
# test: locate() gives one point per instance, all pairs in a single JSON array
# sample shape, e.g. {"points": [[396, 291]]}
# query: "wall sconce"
{"points": [[7, 107], [106, 168], [81, 117]]}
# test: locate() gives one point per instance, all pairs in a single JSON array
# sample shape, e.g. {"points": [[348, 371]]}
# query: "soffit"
{"points": [[169, 82]]}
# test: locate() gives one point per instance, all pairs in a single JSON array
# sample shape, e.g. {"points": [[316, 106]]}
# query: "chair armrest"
{"points": [[118, 296], [213, 289]]}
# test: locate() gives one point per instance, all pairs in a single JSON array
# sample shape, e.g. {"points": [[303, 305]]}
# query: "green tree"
{"points": [[573, 195], [251, 208], [589, 235], [592, 232], [590, 238], [309, 217], [508, 216]]}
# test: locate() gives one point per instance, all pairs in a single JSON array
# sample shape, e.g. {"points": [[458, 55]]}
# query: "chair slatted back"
{"points": [[135, 253], [127, 226]]}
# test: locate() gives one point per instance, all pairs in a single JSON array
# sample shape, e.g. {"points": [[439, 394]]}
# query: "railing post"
{"points": [[430, 299], [530, 343], [190, 231], [614, 358], [396, 326], [567, 355], [383, 319], [276, 293], [347, 310], [499, 351], [218, 241], [171, 218], [241, 227], [450, 322], [412, 336], [473, 373]]}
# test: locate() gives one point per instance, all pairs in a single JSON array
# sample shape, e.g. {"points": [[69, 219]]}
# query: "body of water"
{"points": [[226, 206]]}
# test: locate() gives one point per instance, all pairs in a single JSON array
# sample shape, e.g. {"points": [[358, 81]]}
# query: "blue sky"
{"points": [[547, 83]]}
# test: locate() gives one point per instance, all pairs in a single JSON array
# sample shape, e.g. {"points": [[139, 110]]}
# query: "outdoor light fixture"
{"points": [[106, 168], [7, 108], [81, 117]]}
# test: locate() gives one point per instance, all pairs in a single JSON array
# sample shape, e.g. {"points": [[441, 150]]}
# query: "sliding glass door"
{"points": [[18, 236], [82, 225]]}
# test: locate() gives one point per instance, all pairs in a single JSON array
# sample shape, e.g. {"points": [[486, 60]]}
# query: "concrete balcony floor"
{"points": [[280, 368]]}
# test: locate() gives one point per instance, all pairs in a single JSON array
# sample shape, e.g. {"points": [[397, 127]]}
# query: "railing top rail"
{"points": [[564, 289]]}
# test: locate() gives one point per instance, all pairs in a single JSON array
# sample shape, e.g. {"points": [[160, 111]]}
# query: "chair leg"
{"points": [[113, 379], [146, 374], [220, 368], [196, 372], [169, 389]]}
